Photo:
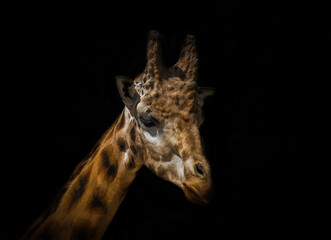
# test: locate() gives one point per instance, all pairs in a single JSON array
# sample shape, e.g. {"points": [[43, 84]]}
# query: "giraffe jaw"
{"points": [[192, 195]]}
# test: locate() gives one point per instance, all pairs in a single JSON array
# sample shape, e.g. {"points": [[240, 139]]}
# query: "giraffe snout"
{"points": [[198, 187], [198, 194]]}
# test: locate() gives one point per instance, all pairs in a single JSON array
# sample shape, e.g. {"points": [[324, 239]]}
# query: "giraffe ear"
{"points": [[205, 92], [127, 92]]}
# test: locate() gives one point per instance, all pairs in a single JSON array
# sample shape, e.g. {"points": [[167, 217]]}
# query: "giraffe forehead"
{"points": [[172, 97]]}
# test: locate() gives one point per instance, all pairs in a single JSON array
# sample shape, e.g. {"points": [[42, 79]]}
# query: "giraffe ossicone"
{"points": [[158, 128]]}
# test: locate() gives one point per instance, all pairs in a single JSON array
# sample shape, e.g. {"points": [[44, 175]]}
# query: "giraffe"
{"points": [[158, 128]]}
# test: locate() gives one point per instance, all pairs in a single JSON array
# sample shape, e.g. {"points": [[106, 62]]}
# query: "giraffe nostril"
{"points": [[199, 170]]}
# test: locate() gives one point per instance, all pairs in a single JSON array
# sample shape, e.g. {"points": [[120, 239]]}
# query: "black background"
{"points": [[260, 58]]}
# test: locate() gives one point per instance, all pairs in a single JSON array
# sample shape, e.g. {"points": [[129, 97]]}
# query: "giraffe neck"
{"points": [[94, 195]]}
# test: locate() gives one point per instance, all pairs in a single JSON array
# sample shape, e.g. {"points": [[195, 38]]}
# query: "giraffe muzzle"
{"points": [[193, 196]]}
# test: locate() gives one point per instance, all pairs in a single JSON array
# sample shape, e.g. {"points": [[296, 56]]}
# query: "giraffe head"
{"points": [[167, 106]]}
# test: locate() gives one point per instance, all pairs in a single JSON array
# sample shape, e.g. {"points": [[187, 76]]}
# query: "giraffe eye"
{"points": [[148, 122]]}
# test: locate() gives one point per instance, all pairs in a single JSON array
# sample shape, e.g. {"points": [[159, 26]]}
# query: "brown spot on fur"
{"points": [[97, 203], [179, 127], [133, 134], [112, 171], [57, 199], [105, 159], [80, 189], [176, 99], [133, 150], [121, 144], [154, 155], [140, 152], [131, 163], [161, 171], [155, 94], [184, 155], [186, 119]]}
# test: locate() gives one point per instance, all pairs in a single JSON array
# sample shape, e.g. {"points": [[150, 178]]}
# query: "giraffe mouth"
{"points": [[192, 195]]}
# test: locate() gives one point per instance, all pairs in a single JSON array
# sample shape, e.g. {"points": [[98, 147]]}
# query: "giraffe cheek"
{"points": [[152, 137]]}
